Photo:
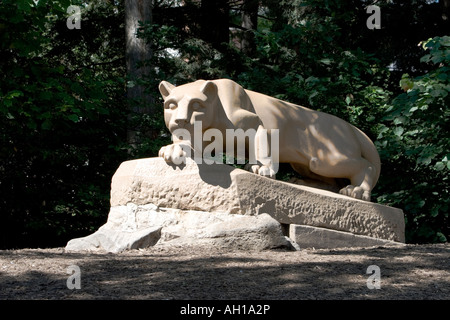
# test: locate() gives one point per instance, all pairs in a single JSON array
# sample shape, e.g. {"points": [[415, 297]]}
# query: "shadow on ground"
{"points": [[410, 272]]}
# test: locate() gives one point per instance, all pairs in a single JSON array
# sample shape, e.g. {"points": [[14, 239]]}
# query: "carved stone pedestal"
{"points": [[155, 203]]}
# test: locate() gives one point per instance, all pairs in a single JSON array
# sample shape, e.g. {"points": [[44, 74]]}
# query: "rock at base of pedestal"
{"points": [[156, 203], [114, 241], [155, 226]]}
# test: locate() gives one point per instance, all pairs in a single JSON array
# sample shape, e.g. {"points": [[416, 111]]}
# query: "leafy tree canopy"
{"points": [[64, 115]]}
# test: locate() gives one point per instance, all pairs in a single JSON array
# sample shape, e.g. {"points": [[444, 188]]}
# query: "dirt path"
{"points": [[409, 272]]}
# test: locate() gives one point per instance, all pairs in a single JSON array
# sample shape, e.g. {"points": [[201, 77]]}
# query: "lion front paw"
{"points": [[356, 192], [173, 153], [264, 171]]}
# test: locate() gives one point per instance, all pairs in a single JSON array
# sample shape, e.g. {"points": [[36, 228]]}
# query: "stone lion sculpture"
{"points": [[317, 145]]}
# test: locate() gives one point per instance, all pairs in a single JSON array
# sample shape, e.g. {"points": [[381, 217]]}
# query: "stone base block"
{"points": [[321, 238], [222, 188], [153, 202]]}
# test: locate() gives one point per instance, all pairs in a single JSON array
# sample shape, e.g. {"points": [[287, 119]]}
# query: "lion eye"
{"points": [[172, 105], [196, 105]]}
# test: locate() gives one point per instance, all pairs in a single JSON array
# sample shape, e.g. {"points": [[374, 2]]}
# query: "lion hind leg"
{"points": [[264, 159], [362, 182], [361, 173]]}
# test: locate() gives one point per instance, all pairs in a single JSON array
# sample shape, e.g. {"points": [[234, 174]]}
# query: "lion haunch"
{"points": [[317, 145]]}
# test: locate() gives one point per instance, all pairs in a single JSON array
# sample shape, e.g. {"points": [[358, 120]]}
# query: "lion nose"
{"points": [[180, 122], [182, 116]]}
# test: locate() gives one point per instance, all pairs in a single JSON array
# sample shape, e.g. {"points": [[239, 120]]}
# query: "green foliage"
{"points": [[313, 56], [64, 115], [308, 63], [61, 119], [180, 59], [414, 142]]}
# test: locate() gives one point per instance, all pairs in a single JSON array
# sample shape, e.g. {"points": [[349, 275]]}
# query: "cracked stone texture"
{"points": [[223, 189], [140, 226]]}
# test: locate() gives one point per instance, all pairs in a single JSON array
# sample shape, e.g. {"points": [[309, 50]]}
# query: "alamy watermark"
{"points": [[259, 146], [374, 281], [74, 281], [374, 21], [74, 20]]}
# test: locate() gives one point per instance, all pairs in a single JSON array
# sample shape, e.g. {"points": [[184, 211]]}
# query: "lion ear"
{"points": [[209, 88], [165, 88]]}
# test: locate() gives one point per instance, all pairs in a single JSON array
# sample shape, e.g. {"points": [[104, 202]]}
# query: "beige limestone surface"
{"points": [[317, 145], [222, 188]]}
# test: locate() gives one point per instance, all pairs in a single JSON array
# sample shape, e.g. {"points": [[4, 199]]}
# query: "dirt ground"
{"points": [[176, 273]]}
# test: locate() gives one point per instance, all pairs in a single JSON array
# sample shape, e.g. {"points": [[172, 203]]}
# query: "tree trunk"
{"points": [[249, 23], [445, 5], [137, 50]]}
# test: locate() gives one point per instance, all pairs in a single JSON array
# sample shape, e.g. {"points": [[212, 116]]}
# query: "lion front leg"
{"points": [[262, 170], [175, 153], [266, 155]]}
